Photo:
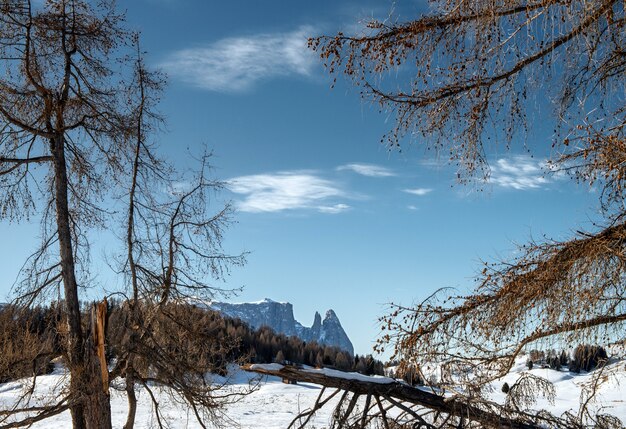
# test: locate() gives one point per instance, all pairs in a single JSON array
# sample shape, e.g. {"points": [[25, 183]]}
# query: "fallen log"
{"points": [[486, 415]]}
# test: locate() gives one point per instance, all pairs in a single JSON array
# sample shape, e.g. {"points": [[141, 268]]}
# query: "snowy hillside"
{"points": [[572, 388], [274, 404]]}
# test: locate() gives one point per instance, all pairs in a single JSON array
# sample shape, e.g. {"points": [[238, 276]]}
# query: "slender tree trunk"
{"points": [[134, 306], [132, 399], [129, 377], [74, 340], [91, 406]]}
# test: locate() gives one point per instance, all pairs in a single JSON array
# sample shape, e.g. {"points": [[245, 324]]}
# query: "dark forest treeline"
{"points": [[31, 338], [28, 343]]}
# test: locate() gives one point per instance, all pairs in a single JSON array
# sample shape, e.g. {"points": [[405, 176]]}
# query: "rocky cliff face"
{"points": [[279, 317]]}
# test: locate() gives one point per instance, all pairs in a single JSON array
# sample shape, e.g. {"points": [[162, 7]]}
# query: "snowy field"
{"points": [[274, 404]]}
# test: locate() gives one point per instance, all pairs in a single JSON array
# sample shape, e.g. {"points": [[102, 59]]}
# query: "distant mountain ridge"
{"points": [[279, 317]]}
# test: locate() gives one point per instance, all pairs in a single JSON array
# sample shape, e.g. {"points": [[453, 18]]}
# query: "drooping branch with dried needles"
{"points": [[474, 72], [463, 79]]}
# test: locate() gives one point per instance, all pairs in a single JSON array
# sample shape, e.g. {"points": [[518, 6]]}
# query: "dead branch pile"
{"points": [[375, 402]]}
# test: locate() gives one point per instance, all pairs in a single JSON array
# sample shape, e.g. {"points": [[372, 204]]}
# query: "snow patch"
{"points": [[379, 379], [267, 366]]}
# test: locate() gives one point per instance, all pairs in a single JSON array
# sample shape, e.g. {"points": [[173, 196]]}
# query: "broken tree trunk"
{"points": [[98, 321], [96, 387], [398, 393]]}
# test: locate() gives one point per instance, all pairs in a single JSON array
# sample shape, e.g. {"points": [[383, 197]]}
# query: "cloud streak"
{"points": [[236, 64], [418, 191], [520, 173], [337, 208], [287, 191], [369, 170]]}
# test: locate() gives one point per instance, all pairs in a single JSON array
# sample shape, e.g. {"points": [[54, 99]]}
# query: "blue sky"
{"points": [[332, 218]]}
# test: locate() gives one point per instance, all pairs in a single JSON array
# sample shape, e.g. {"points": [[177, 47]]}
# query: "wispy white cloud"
{"points": [[519, 172], [287, 191], [370, 170], [337, 208], [418, 191], [412, 207], [236, 64]]}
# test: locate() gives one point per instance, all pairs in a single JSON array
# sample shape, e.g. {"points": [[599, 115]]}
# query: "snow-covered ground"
{"points": [[572, 388], [274, 404]]}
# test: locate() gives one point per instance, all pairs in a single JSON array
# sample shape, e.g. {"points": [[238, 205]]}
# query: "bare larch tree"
{"points": [[63, 130], [76, 105], [173, 245]]}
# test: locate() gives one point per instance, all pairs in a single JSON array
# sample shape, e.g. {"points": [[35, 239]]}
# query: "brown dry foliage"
{"points": [[24, 350], [470, 75], [73, 139], [178, 348]]}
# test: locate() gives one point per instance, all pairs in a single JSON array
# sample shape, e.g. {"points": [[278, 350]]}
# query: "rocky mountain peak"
{"points": [[317, 321], [279, 317], [333, 332]]}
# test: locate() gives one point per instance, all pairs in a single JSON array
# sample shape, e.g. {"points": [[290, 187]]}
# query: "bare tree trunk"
{"points": [[90, 407], [74, 335], [97, 401], [98, 332], [98, 405], [132, 399]]}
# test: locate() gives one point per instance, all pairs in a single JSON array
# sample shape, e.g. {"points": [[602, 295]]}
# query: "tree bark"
{"points": [[97, 401], [132, 400], [98, 405], [90, 406], [74, 340]]}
